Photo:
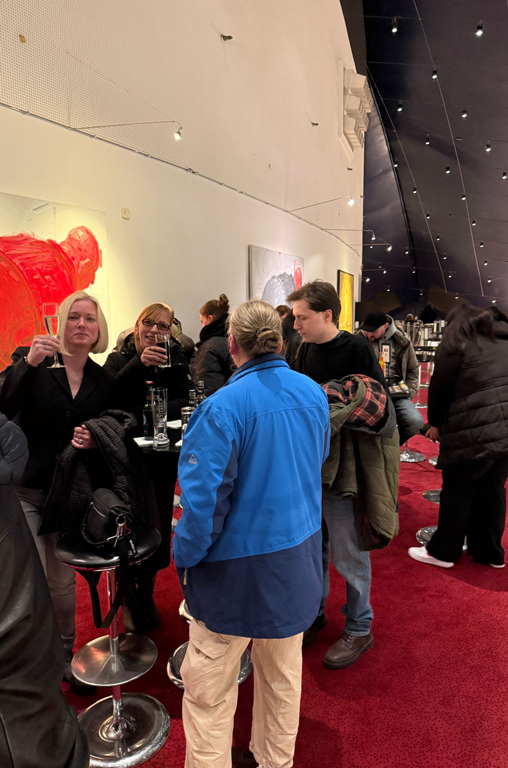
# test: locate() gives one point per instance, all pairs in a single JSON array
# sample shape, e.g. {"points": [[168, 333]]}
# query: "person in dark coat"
{"points": [[37, 728], [50, 405], [468, 414], [212, 361], [138, 362]]}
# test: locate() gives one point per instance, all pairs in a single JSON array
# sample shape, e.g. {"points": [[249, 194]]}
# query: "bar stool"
{"points": [[433, 496], [411, 457], [122, 731], [176, 660]]}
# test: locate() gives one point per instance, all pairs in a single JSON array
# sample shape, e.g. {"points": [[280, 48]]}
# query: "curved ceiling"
{"points": [[425, 76]]}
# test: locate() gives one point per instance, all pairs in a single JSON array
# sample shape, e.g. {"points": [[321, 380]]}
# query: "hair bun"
{"points": [[223, 300], [265, 331]]}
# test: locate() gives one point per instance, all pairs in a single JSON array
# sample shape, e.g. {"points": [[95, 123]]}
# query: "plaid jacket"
{"points": [[371, 411]]}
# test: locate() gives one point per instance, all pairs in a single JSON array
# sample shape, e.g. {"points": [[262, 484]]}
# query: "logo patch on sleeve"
{"points": [[193, 459]]}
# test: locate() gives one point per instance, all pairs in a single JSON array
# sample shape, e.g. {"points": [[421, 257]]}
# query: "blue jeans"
{"points": [[339, 535], [409, 419]]}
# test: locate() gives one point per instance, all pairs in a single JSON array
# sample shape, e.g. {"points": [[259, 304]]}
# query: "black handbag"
{"points": [[109, 526]]}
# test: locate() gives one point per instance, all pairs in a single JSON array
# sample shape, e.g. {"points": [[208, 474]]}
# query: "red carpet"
{"points": [[432, 691]]}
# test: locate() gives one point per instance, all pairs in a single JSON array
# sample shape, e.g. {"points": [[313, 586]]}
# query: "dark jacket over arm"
{"points": [[442, 386]]}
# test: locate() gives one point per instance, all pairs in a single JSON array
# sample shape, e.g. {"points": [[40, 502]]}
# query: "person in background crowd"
{"points": [[283, 311], [136, 364], [212, 362], [121, 338], [429, 314], [248, 545], [468, 414], [38, 729], [292, 339], [379, 329], [327, 354], [50, 405], [186, 343]]}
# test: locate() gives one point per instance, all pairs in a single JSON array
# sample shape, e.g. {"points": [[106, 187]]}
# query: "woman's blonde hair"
{"points": [[256, 328], [154, 312], [102, 342]]}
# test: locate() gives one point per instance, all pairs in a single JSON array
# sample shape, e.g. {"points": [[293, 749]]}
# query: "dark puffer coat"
{"points": [[212, 361], [468, 400], [37, 728]]}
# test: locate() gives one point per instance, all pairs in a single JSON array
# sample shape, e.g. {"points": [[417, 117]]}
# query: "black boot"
{"points": [[140, 613], [76, 686]]}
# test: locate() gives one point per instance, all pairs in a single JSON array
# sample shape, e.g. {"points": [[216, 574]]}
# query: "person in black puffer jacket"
{"points": [[212, 361], [137, 362], [37, 728], [468, 414]]}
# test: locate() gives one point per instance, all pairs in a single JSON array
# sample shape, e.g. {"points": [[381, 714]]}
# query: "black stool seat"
{"points": [[75, 552]]}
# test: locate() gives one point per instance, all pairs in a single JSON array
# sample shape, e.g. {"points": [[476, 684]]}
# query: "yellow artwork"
{"points": [[347, 299]]}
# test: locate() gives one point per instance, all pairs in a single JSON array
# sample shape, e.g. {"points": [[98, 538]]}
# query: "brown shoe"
{"points": [[243, 758], [347, 650]]}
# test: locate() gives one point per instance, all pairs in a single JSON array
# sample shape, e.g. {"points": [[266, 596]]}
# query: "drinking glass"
{"points": [[163, 341], [186, 413], [51, 315], [160, 416]]}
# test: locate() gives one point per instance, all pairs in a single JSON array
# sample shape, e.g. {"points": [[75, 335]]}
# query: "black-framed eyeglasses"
{"points": [[164, 327]]}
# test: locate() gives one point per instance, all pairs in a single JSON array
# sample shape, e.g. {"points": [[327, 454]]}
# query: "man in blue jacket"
{"points": [[248, 546]]}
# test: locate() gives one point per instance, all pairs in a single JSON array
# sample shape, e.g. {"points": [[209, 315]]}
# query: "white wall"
{"points": [[187, 238]]}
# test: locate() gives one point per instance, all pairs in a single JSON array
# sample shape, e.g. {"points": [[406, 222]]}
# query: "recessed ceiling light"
{"points": [[456, 295], [384, 271], [463, 198], [488, 147], [427, 140], [388, 289], [479, 29], [481, 245], [489, 280], [464, 113], [389, 248], [485, 263], [414, 190], [444, 256], [414, 271], [427, 215], [473, 223], [438, 237], [395, 25], [493, 301], [178, 134], [448, 169], [504, 176], [449, 276], [434, 73], [407, 251], [395, 163], [399, 106], [367, 279], [373, 236]]}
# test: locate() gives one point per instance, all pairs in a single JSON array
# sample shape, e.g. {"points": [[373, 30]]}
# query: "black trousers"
{"points": [[473, 505]]}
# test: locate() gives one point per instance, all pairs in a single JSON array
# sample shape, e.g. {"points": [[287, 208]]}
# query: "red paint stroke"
{"points": [[297, 277], [33, 271]]}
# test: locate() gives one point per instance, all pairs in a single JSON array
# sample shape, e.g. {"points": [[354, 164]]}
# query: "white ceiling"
{"points": [[246, 105]]}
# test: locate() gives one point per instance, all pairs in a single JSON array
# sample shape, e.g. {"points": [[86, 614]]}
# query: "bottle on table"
{"points": [[192, 398], [200, 396], [147, 412]]}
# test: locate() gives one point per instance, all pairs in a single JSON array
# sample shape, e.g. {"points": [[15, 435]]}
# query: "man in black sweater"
{"points": [[326, 354]]}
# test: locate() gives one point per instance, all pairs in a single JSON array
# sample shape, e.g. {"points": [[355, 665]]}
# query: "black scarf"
{"points": [[215, 328]]}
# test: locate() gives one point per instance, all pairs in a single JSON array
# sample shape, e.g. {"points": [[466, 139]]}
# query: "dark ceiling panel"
{"points": [[473, 74]]}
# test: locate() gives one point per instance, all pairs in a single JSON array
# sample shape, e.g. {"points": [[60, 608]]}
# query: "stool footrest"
{"points": [[95, 665]]}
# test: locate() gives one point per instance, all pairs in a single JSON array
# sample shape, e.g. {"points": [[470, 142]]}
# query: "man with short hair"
{"points": [[327, 354], [380, 330]]}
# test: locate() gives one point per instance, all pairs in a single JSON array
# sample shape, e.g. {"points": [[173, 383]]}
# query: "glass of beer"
{"points": [[163, 341]]}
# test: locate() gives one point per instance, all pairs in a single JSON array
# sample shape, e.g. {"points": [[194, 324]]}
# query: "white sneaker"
{"points": [[421, 554]]}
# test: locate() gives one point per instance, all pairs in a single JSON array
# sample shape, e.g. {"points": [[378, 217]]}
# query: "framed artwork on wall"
{"points": [[47, 251], [273, 275], [346, 291]]}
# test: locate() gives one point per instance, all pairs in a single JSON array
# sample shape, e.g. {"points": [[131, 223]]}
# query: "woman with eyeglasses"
{"points": [[137, 362]]}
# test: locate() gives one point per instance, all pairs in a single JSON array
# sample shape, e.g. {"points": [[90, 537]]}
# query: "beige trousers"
{"points": [[210, 676]]}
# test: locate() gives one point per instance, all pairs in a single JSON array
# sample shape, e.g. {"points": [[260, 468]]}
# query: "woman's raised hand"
{"points": [[42, 346], [153, 356]]}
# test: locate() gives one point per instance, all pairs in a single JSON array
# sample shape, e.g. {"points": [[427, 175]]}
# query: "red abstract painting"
{"points": [[34, 271]]}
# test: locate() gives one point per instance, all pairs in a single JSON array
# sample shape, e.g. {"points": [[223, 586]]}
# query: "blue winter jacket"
{"points": [[248, 546]]}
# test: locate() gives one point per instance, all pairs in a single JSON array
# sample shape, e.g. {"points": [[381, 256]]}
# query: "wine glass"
{"points": [[51, 315]]}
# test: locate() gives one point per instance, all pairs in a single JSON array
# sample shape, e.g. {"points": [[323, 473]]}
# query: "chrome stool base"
{"points": [[424, 535], [138, 731], [411, 457], [94, 664], [176, 660], [433, 496], [183, 612], [433, 461]]}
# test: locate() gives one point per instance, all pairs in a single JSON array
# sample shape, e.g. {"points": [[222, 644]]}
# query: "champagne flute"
{"points": [[51, 315]]}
